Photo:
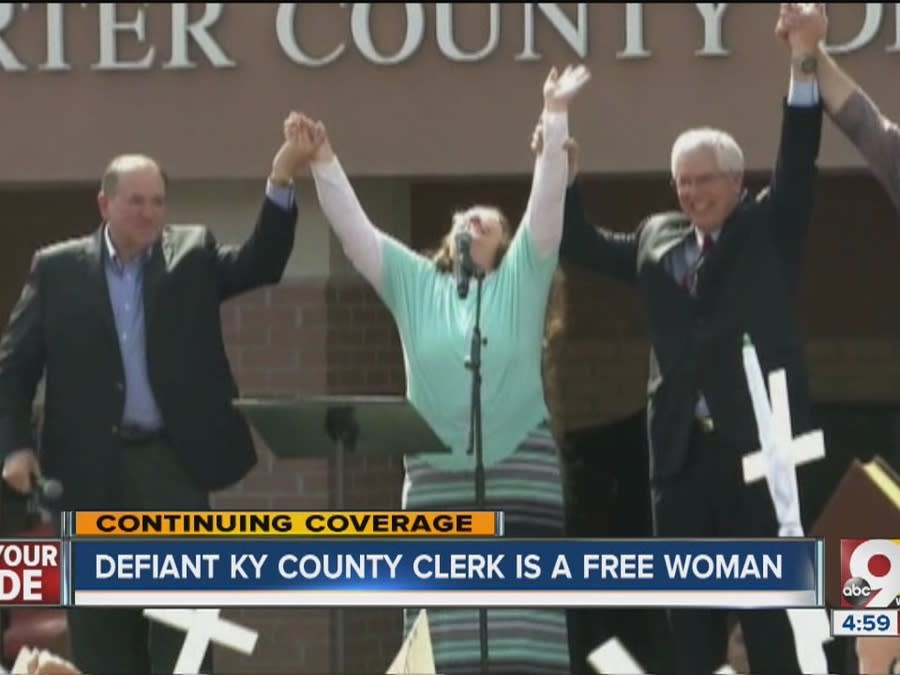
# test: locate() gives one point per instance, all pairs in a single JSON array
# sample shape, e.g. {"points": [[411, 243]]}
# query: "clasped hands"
{"points": [[305, 141], [802, 25]]}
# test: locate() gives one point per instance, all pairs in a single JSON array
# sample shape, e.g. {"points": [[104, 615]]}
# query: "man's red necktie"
{"points": [[690, 277]]}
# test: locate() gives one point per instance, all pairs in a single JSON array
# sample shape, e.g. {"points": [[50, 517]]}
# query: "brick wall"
{"points": [[336, 337]]}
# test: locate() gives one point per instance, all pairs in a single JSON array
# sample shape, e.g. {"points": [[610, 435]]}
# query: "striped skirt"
{"points": [[527, 487]]}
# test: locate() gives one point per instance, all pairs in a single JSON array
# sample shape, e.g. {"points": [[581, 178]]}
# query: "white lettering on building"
{"points": [[362, 35], [634, 32], [123, 29], [285, 30], [198, 30], [110, 28], [8, 60], [712, 13], [446, 36], [871, 24], [575, 34]]}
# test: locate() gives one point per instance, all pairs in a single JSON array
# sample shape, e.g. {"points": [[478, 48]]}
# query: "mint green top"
{"points": [[435, 328]]}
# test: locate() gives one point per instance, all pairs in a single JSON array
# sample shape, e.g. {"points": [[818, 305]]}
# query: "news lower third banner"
{"points": [[414, 572]]}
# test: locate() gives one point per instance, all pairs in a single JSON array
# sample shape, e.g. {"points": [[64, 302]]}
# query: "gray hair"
{"points": [[125, 164], [728, 154]]}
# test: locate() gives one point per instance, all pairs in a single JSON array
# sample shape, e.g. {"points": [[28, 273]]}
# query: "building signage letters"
{"points": [[194, 43]]}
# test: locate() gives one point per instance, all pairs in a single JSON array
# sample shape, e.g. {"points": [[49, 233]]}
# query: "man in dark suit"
{"points": [[124, 324], [726, 265]]}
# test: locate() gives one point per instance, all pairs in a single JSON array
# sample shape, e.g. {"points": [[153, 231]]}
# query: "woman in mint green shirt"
{"points": [[522, 463]]}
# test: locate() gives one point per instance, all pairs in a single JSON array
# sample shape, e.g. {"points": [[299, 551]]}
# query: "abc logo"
{"points": [[870, 573], [856, 591]]}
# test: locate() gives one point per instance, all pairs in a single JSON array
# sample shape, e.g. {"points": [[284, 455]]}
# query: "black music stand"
{"points": [[307, 427]]}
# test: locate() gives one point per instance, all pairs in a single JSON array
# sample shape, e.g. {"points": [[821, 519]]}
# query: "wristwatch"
{"points": [[807, 64]]}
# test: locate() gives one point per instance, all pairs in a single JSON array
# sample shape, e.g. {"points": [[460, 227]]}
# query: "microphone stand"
{"points": [[473, 363]]}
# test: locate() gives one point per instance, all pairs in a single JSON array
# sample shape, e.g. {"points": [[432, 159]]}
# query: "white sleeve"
{"points": [[544, 214], [360, 239]]}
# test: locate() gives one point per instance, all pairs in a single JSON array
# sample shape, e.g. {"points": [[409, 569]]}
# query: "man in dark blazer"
{"points": [[124, 325], [726, 265]]}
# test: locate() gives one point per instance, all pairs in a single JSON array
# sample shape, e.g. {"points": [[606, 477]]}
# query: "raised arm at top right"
{"points": [[875, 136]]}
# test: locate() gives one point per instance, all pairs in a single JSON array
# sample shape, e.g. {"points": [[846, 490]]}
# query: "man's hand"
{"points": [[570, 146], [802, 26], [559, 90], [296, 151], [19, 469]]}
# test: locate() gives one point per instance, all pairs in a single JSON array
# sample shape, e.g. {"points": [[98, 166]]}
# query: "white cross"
{"points": [[780, 453], [203, 626], [802, 450], [612, 657], [777, 462], [774, 421]]}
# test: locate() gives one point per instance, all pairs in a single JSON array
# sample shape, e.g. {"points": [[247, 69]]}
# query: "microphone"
{"points": [[463, 263], [49, 489], [43, 491]]}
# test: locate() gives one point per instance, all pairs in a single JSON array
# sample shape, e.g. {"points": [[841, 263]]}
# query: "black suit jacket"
{"points": [[746, 285], [63, 321]]}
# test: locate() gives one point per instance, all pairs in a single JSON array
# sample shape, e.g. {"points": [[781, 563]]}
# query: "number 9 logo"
{"points": [[876, 561]]}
